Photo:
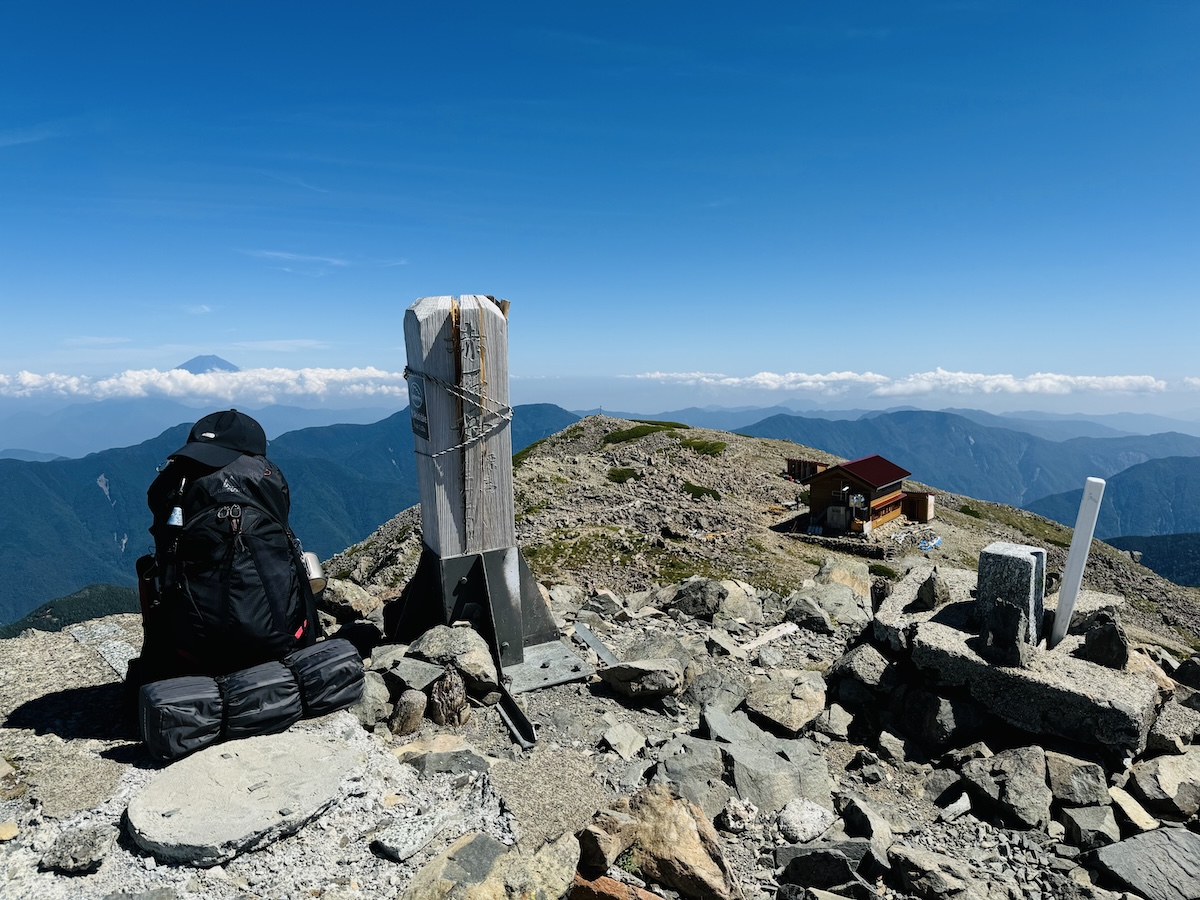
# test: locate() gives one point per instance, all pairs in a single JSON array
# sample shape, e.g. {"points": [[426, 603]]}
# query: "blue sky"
{"points": [[989, 204]]}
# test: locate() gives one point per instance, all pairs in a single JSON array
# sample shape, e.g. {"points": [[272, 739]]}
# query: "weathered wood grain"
{"points": [[458, 348]]}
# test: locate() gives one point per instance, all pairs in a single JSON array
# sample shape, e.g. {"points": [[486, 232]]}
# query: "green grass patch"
{"points": [[628, 861], [971, 511], [662, 423], [531, 510], [622, 435], [883, 571], [703, 447], [700, 492], [621, 475], [521, 455]]}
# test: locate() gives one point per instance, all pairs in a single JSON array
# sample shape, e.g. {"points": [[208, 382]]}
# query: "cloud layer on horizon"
{"points": [[247, 386], [921, 383], [272, 385]]}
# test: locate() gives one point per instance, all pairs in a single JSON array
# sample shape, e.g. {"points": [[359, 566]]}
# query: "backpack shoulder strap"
{"points": [[306, 592]]}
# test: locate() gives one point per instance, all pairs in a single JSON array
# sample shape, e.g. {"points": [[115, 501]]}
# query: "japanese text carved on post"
{"points": [[458, 396]]}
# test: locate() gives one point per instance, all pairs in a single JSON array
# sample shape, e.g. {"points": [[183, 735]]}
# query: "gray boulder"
{"points": [[1169, 785], [768, 780], [1159, 865], [1105, 643], [801, 820], [863, 675], [852, 573], [937, 722], [844, 606], [644, 679], [347, 602], [699, 597], [375, 705], [788, 699], [79, 850], [806, 612], [1075, 782], [697, 769], [741, 602], [935, 876], [1014, 782], [461, 647], [1089, 827], [477, 865], [933, 593]]}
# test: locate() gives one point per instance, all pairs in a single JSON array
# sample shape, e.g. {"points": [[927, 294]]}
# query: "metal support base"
{"points": [[496, 593]]}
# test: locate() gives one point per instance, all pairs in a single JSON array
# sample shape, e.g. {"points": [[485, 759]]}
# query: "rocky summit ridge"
{"points": [[773, 717]]}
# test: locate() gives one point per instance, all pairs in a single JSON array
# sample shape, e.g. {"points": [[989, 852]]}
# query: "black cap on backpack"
{"points": [[221, 437]]}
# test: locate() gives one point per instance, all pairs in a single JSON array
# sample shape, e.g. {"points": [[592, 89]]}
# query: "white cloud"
{"points": [[830, 383], [283, 256], [942, 381], [918, 383], [199, 309], [247, 386], [1192, 384]]}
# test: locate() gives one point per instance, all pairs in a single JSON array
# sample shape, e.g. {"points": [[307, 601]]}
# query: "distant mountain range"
{"points": [[76, 522], [960, 455], [1175, 557], [1052, 427], [1156, 497], [82, 428]]}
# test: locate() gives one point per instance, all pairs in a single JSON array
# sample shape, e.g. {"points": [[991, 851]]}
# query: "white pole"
{"points": [[1081, 545]]}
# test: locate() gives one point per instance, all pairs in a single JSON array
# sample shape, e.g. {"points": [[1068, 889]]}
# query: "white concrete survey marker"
{"points": [[1081, 545]]}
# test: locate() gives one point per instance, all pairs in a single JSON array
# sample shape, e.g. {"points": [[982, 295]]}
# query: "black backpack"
{"points": [[226, 587]]}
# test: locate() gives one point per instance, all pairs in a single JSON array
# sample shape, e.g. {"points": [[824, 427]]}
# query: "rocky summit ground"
{"points": [[763, 723], [610, 503]]}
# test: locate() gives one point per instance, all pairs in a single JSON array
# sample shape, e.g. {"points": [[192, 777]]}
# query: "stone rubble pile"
{"points": [[735, 743]]}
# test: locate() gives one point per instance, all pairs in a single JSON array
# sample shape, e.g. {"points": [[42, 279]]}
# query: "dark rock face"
{"points": [[700, 598], [1163, 864], [1105, 643]]}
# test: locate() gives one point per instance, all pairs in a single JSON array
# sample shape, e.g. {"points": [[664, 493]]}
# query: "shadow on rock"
{"points": [[95, 711]]}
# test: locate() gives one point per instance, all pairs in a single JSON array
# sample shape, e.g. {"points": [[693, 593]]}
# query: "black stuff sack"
{"points": [[330, 675], [263, 699], [178, 716]]}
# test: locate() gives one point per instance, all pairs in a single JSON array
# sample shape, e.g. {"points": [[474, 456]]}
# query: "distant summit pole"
{"points": [[471, 569]]}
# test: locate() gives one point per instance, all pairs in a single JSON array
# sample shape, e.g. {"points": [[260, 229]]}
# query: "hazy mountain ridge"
{"points": [[92, 602], [1155, 497], [82, 428], [347, 479], [960, 455]]}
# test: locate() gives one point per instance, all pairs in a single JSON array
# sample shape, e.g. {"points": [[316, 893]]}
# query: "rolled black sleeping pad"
{"points": [[177, 716]]}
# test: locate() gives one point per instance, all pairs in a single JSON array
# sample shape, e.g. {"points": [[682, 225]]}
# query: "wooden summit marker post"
{"points": [[458, 361], [471, 568]]}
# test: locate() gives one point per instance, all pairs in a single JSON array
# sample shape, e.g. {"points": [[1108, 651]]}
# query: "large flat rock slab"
{"points": [[1158, 865], [238, 796], [1057, 694]]}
